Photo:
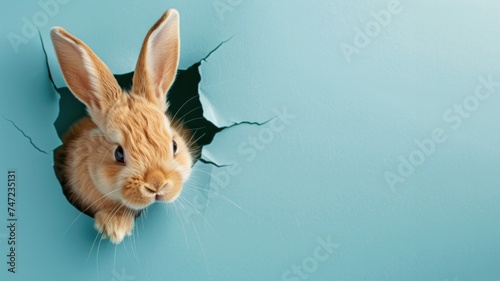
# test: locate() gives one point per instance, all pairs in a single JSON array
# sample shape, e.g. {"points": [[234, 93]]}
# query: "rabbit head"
{"points": [[135, 154]]}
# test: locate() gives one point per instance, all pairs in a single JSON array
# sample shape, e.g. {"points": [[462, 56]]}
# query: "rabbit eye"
{"points": [[119, 155], [174, 146]]}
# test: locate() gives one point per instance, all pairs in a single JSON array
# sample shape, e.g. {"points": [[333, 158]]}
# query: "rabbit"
{"points": [[127, 153]]}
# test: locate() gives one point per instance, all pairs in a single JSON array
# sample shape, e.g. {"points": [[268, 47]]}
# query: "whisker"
{"points": [[95, 239], [197, 118], [82, 212], [221, 196], [108, 219], [179, 215], [181, 118], [199, 241], [189, 144], [178, 110], [204, 219], [197, 128]]}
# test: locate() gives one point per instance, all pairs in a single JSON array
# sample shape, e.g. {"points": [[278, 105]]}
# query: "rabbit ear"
{"points": [[158, 61], [88, 78]]}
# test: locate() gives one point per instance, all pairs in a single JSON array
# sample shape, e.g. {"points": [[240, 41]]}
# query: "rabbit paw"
{"points": [[114, 227]]}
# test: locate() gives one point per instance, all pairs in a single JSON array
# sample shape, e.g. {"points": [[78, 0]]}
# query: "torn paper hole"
{"points": [[186, 104]]}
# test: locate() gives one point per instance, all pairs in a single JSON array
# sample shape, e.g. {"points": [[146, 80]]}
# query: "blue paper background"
{"points": [[319, 177]]}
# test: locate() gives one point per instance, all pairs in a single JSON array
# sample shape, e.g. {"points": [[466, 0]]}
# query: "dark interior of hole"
{"points": [[184, 105]]}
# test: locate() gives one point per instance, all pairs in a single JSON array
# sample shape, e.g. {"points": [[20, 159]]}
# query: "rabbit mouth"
{"points": [[137, 205]]}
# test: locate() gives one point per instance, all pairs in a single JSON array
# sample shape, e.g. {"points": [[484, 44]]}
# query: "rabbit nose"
{"points": [[155, 180], [157, 191], [162, 190], [150, 189]]}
